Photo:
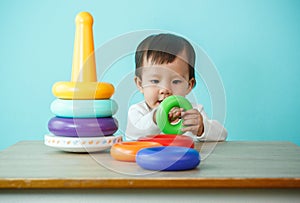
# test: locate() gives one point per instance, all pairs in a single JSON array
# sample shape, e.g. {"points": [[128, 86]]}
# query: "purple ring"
{"points": [[82, 127]]}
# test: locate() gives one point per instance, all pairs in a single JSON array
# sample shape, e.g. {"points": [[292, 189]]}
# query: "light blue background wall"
{"points": [[255, 45]]}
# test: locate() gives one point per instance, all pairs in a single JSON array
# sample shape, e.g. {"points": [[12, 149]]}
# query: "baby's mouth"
{"points": [[160, 100]]}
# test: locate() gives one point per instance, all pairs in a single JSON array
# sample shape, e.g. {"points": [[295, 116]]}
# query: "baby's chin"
{"points": [[156, 105], [153, 105]]}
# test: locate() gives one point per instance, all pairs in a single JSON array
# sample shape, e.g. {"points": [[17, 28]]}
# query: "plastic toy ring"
{"points": [[126, 151], [163, 110], [83, 90], [84, 108], [168, 158], [82, 127], [170, 140]]}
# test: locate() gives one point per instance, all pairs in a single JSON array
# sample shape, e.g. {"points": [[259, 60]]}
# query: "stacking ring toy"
{"points": [[126, 151], [170, 140], [83, 90], [84, 108], [168, 158], [83, 84], [163, 110], [82, 127]]}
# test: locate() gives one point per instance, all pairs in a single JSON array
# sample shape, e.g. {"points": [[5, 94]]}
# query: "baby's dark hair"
{"points": [[164, 48]]}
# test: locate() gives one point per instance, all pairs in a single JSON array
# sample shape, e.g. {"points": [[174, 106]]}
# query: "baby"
{"points": [[165, 67]]}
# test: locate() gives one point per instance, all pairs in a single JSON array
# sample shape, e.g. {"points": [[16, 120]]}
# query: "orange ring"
{"points": [[83, 90], [126, 151]]}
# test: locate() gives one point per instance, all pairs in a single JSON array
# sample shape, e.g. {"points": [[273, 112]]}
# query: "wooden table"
{"points": [[241, 165]]}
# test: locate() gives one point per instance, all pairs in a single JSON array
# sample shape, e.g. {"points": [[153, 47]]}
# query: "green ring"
{"points": [[163, 110]]}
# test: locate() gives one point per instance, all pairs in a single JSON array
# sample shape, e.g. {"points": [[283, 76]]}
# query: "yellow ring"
{"points": [[83, 90]]}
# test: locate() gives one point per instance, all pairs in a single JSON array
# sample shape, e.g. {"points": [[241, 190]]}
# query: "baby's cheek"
{"points": [[182, 91], [179, 92]]}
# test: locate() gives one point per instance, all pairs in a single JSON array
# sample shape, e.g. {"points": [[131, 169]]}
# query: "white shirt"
{"points": [[140, 123]]}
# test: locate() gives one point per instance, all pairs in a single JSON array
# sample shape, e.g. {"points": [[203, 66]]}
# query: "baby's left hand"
{"points": [[192, 121]]}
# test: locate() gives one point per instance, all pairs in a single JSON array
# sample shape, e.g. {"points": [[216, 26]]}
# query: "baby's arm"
{"points": [[196, 123], [140, 122], [213, 129]]}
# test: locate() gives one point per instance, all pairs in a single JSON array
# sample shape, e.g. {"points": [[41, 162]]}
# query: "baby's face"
{"points": [[159, 81]]}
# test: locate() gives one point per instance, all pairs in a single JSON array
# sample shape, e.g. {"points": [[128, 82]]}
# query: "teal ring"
{"points": [[163, 110], [84, 108]]}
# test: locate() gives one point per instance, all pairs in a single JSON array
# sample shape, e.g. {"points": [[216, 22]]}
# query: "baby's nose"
{"points": [[165, 91]]}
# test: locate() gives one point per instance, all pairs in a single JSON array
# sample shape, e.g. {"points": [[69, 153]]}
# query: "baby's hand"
{"points": [[192, 121], [175, 114]]}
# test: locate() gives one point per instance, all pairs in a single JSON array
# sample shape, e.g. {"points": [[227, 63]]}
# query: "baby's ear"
{"points": [[192, 83], [138, 83]]}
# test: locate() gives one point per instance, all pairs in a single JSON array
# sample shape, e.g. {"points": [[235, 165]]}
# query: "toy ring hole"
{"points": [[138, 144], [174, 120], [155, 149]]}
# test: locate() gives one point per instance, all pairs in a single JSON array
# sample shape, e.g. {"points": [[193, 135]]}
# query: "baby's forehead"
{"points": [[162, 71]]}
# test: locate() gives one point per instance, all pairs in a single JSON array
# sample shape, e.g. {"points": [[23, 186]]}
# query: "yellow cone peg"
{"points": [[84, 66], [83, 84]]}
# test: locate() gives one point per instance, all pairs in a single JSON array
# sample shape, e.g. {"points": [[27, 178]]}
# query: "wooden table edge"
{"points": [[15, 183]]}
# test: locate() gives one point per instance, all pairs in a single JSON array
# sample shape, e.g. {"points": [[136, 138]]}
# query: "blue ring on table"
{"points": [[84, 108], [82, 127], [170, 158]]}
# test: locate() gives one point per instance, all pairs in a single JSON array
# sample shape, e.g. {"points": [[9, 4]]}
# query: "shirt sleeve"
{"points": [[213, 130], [140, 122]]}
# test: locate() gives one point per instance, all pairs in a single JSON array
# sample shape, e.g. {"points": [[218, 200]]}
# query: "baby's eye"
{"points": [[154, 81], [176, 82]]}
